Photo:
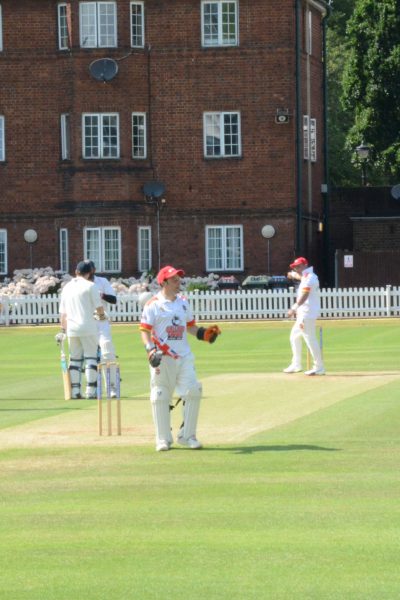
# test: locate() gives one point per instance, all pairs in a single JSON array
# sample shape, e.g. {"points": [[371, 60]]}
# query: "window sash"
{"points": [[65, 137], [2, 139], [139, 145], [137, 24], [63, 34], [222, 134], [98, 24], [144, 249], [219, 23], [100, 135], [3, 252], [64, 251], [224, 247], [103, 247]]}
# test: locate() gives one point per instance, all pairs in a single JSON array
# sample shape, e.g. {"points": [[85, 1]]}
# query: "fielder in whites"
{"points": [[306, 310], [80, 301], [165, 322], [106, 344]]}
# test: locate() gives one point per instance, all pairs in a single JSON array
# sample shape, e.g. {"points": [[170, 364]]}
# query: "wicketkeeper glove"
{"points": [[154, 357], [60, 337], [208, 335]]}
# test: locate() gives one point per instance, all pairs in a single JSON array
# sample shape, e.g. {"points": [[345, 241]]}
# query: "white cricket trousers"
{"points": [[309, 333], [107, 349]]}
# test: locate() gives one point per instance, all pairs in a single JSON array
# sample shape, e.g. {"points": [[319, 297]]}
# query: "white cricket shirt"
{"points": [[309, 283], [79, 300]]}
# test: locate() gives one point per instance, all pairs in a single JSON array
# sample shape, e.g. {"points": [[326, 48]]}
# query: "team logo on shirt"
{"points": [[175, 331]]}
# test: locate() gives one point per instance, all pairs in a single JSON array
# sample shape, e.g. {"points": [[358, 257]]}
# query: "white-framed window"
{"points": [[144, 249], [137, 24], [65, 137], [1, 30], [222, 134], [308, 31], [219, 23], [139, 145], [2, 139], [63, 29], [306, 137], [224, 248], [64, 250], [100, 135], [3, 252], [98, 24], [313, 140], [103, 246]]}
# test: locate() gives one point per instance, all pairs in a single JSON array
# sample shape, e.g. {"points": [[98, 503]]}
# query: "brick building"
{"points": [[205, 124]]}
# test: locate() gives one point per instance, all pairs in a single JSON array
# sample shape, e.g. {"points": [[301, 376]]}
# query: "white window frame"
{"points": [[1, 30], [101, 141], [219, 40], [95, 38], [144, 249], [306, 137], [2, 138], [137, 40], [3, 242], [313, 140], [139, 150], [63, 33], [99, 254], [224, 258], [64, 250], [65, 137], [216, 121], [309, 24]]}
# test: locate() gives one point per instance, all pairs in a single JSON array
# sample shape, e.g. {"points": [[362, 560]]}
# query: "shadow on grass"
{"points": [[288, 448]]}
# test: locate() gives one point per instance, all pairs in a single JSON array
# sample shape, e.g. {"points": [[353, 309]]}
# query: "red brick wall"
{"points": [[41, 191]]}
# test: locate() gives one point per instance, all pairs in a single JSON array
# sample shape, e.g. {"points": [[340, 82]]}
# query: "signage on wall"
{"points": [[348, 261]]}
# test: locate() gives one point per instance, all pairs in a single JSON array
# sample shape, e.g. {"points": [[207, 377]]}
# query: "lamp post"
{"points": [[30, 236], [363, 154], [268, 232]]}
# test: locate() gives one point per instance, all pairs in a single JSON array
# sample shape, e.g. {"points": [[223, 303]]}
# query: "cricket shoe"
{"points": [[315, 372], [91, 395], [191, 442], [163, 446], [113, 394], [76, 397], [292, 369]]}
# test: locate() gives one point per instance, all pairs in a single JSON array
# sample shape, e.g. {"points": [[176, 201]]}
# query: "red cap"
{"points": [[299, 261], [168, 272]]}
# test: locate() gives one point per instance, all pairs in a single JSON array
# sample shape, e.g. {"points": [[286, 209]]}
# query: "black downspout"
{"points": [[326, 195], [299, 135]]}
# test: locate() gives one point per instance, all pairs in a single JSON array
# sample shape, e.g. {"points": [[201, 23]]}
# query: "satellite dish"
{"points": [[103, 69], [154, 189], [395, 191]]}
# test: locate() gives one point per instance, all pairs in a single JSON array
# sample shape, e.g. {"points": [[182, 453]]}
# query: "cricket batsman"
{"points": [[165, 322]]}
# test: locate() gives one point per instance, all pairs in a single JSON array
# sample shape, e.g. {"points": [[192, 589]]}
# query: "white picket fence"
{"points": [[221, 305]]}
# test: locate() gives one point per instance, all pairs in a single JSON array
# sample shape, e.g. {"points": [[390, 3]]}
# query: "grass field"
{"points": [[295, 495]]}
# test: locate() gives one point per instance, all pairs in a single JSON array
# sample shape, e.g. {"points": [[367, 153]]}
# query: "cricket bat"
{"points": [[65, 375]]}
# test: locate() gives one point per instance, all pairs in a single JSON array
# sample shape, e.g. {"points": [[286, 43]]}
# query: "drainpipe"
{"points": [[299, 135], [326, 191]]}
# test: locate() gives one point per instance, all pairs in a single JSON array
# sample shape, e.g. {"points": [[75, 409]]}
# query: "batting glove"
{"points": [[208, 335], [60, 337], [155, 357]]}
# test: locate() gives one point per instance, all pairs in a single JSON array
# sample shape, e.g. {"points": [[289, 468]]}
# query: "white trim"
{"points": [[141, 229], [95, 16], [2, 138], [221, 127], [64, 250], [144, 125], [65, 137], [224, 249], [220, 43], [100, 125], [60, 36], [141, 4], [3, 234], [100, 259]]}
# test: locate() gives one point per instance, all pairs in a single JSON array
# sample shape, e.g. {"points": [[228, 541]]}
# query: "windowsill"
{"points": [[210, 158]]}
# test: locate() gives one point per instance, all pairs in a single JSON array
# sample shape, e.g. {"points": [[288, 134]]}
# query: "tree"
{"points": [[371, 83]]}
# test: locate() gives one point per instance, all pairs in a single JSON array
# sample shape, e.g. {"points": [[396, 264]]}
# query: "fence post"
{"points": [[388, 300]]}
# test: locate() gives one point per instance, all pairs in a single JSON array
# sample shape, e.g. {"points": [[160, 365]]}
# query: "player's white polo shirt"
{"points": [[309, 283], [167, 321]]}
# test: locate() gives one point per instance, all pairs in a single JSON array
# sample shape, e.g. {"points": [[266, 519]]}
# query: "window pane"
{"points": [[111, 250], [64, 258], [107, 24], [110, 136], [137, 25], [213, 134], [228, 23], [210, 23], [214, 248], [63, 41], [91, 136], [92, 249], [138, 136], [231, 134], [3, 251], [65, 138], [88, 33], [233, 248], [144, 247]]}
